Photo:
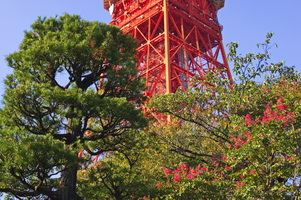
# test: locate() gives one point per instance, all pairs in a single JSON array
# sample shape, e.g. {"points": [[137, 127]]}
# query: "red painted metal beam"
{"points": [[178, 40]]}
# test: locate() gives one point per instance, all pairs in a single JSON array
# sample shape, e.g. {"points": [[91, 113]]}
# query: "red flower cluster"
{"points": [[277, 116], [238, 141], [249, 121], [280, 115], [183, 171], [288, 157], [159, 184], [239, 184]]}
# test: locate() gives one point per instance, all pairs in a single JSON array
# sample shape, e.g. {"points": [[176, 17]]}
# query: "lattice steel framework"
{"points": [[178, 39]]}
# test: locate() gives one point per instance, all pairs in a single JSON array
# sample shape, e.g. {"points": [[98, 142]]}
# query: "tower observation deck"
{"points": [[178, 40]]}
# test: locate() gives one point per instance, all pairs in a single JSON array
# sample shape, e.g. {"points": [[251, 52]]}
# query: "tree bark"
{"points": [[68, 184], [69, 174]]}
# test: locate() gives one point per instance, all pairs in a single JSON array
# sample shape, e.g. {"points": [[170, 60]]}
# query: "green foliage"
{"points": [[74, 86], [32, 161], [237, 141], [128, 174]]}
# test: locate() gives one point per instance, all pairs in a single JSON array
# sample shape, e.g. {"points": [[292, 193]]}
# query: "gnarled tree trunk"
{"points": [[68, 184]]}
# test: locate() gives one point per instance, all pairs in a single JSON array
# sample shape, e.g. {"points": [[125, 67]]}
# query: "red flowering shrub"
{"points": [[258, 161], [244, 138]]}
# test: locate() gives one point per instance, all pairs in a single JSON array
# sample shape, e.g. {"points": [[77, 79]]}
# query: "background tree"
{"points": [[237, 142], [73, 87], [128, 174]]}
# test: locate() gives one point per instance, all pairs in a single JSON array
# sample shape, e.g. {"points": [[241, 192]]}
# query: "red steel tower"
{"points": [[178, 39]]}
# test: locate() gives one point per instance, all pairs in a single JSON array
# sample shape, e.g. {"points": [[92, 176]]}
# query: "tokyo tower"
{"points": [[178, 40]]}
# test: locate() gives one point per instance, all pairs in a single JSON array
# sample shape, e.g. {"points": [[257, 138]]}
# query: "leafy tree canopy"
{"points": [[74, 88], [237, 141]]}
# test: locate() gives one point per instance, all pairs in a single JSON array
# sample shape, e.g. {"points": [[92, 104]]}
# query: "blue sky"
{"points": [[244, 21]]}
